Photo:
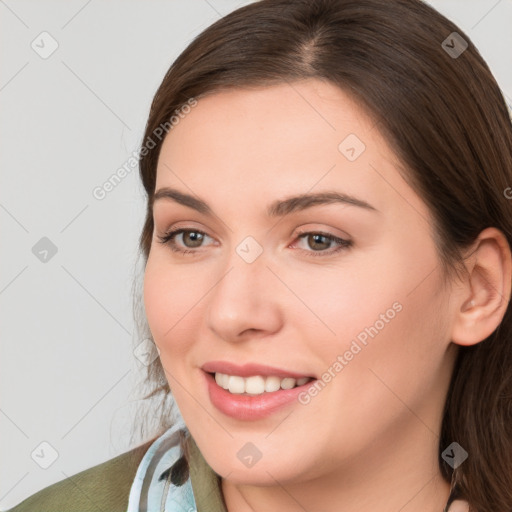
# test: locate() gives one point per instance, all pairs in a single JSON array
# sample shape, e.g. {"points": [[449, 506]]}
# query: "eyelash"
{"points": [[168, 239]]}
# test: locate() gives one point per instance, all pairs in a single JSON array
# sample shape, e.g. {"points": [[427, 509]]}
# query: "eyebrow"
{"points": [[278, 208]]}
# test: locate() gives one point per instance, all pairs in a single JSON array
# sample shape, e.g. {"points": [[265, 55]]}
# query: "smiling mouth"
{"points": [[256, 384]]}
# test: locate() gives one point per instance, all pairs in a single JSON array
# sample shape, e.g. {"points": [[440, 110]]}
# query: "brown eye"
{"points": [[192, 238], [321, 244], [318, 242]]}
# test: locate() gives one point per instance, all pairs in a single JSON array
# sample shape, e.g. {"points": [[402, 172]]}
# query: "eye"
{"points": [[191, 238], [319, 241]]}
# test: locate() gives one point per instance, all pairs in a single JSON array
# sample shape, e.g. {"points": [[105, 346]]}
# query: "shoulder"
{"points": [[105, 486]]}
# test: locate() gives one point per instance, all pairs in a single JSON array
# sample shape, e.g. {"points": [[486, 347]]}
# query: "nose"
{"points": [[243, 303]]}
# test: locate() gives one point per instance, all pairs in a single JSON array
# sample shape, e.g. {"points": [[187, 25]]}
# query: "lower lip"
{"points": [[247, 407]]}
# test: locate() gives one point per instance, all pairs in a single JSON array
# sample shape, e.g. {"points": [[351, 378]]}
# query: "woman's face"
{"points": [[271, 295]]}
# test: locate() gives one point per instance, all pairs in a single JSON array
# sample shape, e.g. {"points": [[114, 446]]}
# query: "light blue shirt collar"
{"points": [[152, 493]]}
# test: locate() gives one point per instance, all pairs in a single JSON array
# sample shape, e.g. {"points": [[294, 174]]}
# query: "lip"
{"points": [[251, 407], [249, 370]]}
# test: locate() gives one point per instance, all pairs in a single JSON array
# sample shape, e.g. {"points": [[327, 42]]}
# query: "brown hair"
{"points": [[445, 118]]}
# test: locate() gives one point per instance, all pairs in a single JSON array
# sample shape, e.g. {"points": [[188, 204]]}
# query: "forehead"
{"points": [[257, 144]]}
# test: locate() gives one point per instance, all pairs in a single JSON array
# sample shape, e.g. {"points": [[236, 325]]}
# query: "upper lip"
{"points": [[249, 370]]}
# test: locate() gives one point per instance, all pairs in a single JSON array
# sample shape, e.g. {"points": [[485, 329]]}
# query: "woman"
{"points": [[327, 270]]}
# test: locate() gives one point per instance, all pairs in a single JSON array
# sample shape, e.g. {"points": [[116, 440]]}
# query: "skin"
{"points": [[369, 440]]}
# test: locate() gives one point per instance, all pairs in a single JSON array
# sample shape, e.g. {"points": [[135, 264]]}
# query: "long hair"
{"points": [[439, 108]]}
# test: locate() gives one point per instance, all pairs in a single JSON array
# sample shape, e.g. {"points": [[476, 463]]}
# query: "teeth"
{"points": [[236, 384], [272, 384], [256, 385], [288, 383]]}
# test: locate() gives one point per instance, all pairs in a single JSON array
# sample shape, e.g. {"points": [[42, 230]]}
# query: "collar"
{"points": [[173, 476]]}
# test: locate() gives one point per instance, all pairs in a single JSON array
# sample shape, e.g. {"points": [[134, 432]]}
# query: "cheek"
{"points": [[384, 311], [169, 300], [343, 302], [395, 331]]}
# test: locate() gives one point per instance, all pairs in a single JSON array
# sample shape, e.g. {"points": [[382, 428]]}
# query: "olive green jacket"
{"points": [[106, 487]]}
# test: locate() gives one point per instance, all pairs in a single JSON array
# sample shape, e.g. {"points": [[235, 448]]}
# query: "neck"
{"points": [[395, 475]]}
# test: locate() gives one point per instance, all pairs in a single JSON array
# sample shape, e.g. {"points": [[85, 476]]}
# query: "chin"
{"points": [[260, 474], [284, 467]]}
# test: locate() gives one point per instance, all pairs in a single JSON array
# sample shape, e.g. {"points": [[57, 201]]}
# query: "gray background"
{"points": [[68, 375]]}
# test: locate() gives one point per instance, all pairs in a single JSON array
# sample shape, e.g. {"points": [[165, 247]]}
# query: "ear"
{"points": [[483, 299]]}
